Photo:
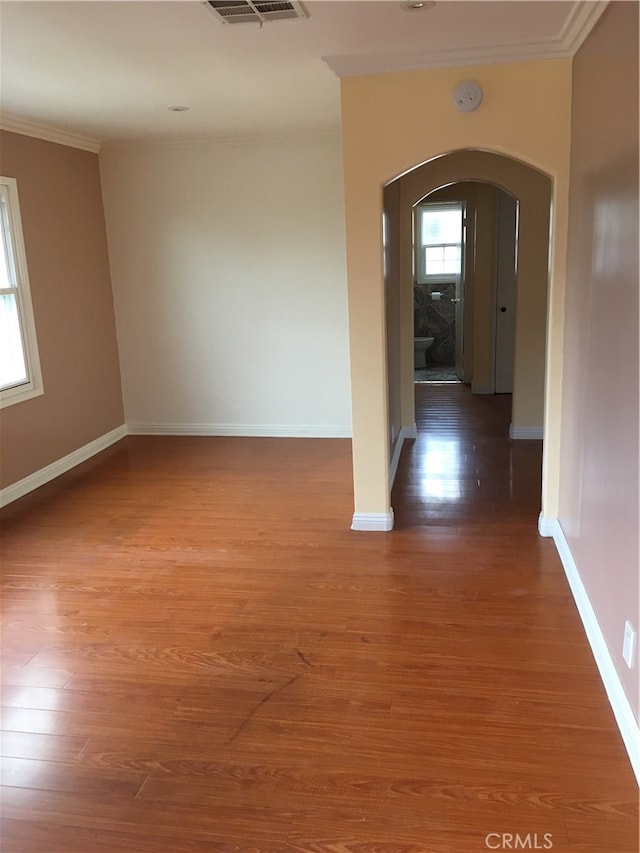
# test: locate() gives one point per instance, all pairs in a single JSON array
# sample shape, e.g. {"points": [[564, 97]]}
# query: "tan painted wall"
{"points": [[66, 248], [391, 124], [599, 474]]}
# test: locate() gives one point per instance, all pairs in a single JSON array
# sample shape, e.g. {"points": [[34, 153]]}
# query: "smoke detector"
{"points": [[254, 11], [467, 96]]}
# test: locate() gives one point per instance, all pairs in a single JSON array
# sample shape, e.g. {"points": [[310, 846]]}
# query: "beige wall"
{"points": [[229, 283], [393, 123], [65, 242], [599, 475]]}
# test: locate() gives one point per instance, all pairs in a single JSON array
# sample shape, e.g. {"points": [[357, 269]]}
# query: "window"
{"points": [[20, 376], [438, 242]]}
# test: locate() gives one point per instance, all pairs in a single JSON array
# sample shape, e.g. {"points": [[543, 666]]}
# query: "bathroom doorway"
{"points": [[464, 252], [439, 262]]}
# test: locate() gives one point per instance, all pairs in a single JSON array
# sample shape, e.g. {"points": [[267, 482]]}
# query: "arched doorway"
{"points": [[533, 191]]}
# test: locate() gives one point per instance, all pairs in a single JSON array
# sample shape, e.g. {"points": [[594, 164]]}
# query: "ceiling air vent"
{"points": [[257, 11]]}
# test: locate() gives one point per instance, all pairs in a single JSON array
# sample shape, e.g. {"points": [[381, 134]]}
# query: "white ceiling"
{"points": [[110, 70]]}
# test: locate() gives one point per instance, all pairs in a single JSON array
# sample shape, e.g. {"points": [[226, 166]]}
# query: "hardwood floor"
{"points": [[201, 657]]}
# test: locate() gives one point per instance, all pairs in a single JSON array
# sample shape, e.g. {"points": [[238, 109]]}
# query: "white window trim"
{"points": [[435, 278], [33, 387]]}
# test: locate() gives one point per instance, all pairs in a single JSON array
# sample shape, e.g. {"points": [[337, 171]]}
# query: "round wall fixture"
{"points": [[416, 5], [467, 96]]}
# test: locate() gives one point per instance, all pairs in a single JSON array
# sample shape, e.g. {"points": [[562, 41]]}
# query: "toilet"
{"points": [[420, 346]]}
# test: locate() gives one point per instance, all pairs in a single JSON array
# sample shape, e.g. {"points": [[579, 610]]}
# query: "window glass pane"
{"points": [[7, 273], [452, 258], [13, 370], [441, 260], [433, 253], [433, 261], [440, 226]]}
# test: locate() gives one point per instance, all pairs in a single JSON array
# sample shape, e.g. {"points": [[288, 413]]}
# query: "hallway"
{"points": [[462, 469], [199, 656]]}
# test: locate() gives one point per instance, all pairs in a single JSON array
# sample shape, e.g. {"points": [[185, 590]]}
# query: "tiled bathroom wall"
{"points": [[436, 319]]}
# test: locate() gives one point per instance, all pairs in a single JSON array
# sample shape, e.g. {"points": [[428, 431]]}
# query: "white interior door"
{"points": [[505, 293]]}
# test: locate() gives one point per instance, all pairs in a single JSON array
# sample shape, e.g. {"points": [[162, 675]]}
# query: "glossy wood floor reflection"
{"points": [[201, 657]]}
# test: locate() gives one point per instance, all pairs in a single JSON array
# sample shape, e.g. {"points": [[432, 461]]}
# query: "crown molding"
{"points": [[578, 25], [581, 20], [206, 140], [48, 133]]}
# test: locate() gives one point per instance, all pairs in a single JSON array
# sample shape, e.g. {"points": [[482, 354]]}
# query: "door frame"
{"points": [[458, 281]]}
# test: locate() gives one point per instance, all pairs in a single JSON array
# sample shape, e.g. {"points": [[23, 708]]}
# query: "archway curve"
{"points": [[533, 189], [495, 152], [455, 183]]}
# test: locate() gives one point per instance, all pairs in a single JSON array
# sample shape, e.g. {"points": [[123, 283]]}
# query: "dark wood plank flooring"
{"points": [[200, 657]]}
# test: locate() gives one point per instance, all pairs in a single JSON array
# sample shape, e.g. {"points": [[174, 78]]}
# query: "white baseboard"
{"points": [[535, 433], [50, 472], [405, 433], [546, 526], [625, 718], [247, 430], [381, 521]]}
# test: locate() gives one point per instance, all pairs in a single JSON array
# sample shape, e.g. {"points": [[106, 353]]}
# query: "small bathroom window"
{"points": [[439, 238]]}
